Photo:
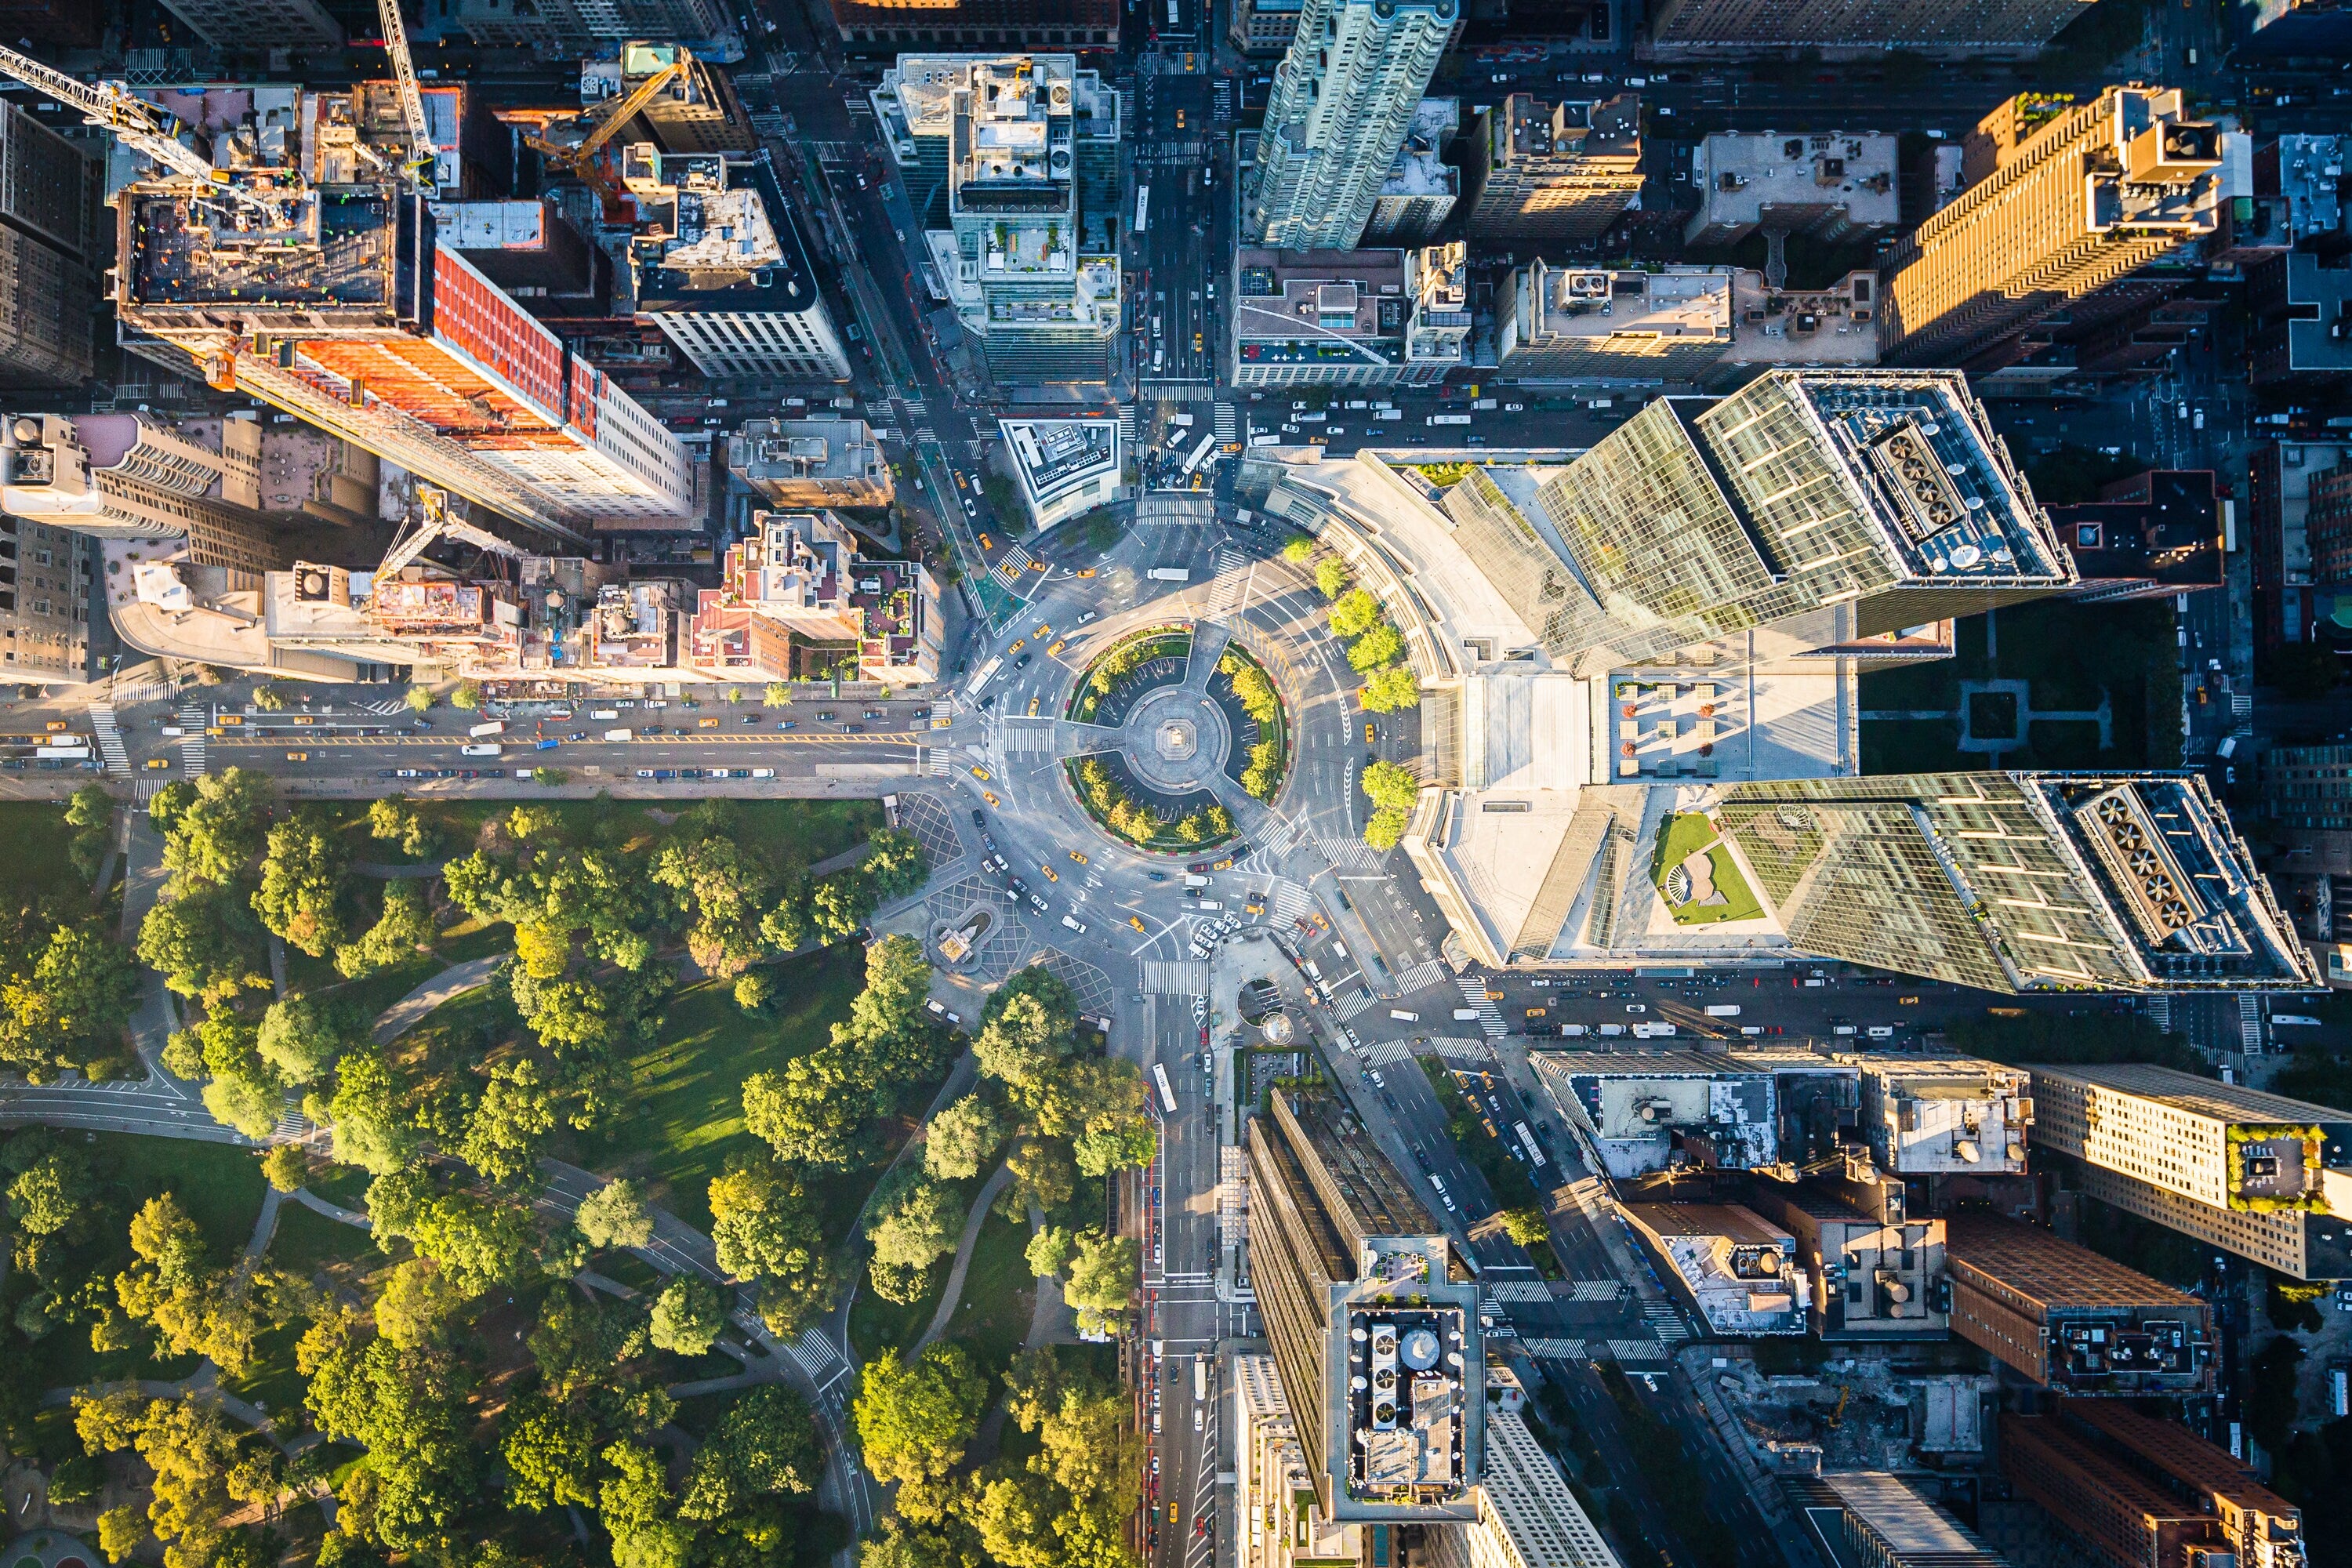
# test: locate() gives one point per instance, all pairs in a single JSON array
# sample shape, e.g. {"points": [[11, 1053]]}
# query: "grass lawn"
{"points": [[686, 1100], [1686, 834], [308, 1242], [992, 1318], [876, 1325], [344, 1184], [220, 1186], [270, 1380], [38, 871]]}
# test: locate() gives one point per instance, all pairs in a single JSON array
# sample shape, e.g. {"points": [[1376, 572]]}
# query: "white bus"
{"points": [[1198, 452], [1171, 574], [1142, 208], [1167, 1091], [1527, 1141], [1200, 1362], [984, 674]]}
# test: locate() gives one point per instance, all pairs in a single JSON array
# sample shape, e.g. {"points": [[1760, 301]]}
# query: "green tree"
{"points": [[510, 1124], [911, 1230], [478, 1244], [776, 694], [896, 866], [688, 1316], [214, 832], [419, 700], [90, 807], [1354, 613], [194, 1307], [404, 930], [71, 1003], [615, 1215], [721, 888], [200, 942], [548, 778], [1015, 1520], [1104, 1274], [368, 1114], [765, 1447], [1050, 1250], [1332, 576], [1382, 646], [1389, 690], [1388, 784], [394, 819], [962, 1139], [764, 1223], [301, 1038], [407, 1409], [810, 1111], [269, 698], [549, 1454], [284, 1168], [1525, 1226], [1385, 827], [417, 1304], [55, 1195], [467, 696], [1298, 548], [915, 1418], [754, 991]]}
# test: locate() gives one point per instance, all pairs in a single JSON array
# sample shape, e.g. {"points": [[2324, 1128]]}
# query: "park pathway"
{"points": [[451, 982], [972, 1221]]}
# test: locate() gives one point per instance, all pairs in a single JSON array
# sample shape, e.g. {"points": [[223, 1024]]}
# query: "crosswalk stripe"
{"points": [[1473, 995]]}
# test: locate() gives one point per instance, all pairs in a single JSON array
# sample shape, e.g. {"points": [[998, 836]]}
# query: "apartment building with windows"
{"points": [[1551, 172]]}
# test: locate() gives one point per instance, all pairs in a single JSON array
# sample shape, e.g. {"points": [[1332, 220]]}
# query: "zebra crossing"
{"points": [[1518, 1290], [1291, 900], [109, 737], [1009, 569], [1221, 101], [925, 433], [1475, 997], [1387, 1053], [816, 1357], [1497, 1325], [887, 433], [1177, 977], [1428, 971], [1231, 580], [192, 740], [1591, 1290], [2250, 1020], [1227, 423], [1554, 1349], [1350, 854], [1664, 1322], [1127, 425], [1346, 1007]]}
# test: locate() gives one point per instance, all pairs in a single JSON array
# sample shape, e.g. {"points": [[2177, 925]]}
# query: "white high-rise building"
{"points": [[1343, 99], [1527, 1516]]}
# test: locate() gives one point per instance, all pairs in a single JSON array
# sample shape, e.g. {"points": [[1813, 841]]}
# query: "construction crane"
{"points": [[435, 521], [138, 125], [421, 149]]}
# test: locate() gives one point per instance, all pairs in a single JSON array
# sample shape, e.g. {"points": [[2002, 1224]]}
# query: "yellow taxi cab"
{"points": [[302, 719], [979, 773], [216, 731], [1135, 920], [990, 795], [1538, 1012], [1371, 734], [1079, 856], [1086, 572], [1494, 997], [1018, 644], [159, 762], [1051, 875], [1043, 632], [1033, 707], [1254, 907], [54, 725], [232, 719], [986, 543], [1058, 645], [297, 756], [1906, 1001], [706, 723], [1037, 566]]}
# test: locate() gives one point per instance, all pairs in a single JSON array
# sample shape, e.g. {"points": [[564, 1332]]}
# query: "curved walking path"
{"points": [[453, 982], [971, 1224], [336, 1212]]}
